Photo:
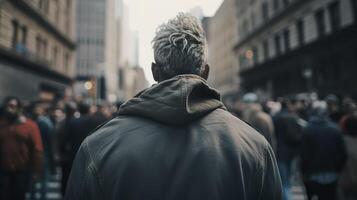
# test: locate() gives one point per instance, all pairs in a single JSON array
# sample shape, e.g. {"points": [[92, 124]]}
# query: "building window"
{"points": [[58, 8], [276, 4], [40, 4], [68, 15], [19, 37], [44, 55], [286, 37], [253, 20], [41, 47], [277, 44], [335, 15], [255, 55], [265, 11], [66, 62], [15, 30], [245, 27], [243, 60], [266, 49], [320, 22], [24, 35], [54, 56], [300, 31], [38, 45], [43, 6]]}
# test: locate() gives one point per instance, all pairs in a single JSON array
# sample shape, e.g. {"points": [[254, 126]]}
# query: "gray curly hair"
{"points": [[180, 46]]}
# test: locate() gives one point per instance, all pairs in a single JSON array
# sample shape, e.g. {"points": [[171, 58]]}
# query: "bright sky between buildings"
{"points": [[146, 15]]}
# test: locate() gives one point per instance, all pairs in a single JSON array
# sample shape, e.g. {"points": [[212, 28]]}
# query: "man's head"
{"points": [[83, 108], [38, 109], [12, 108], [180, 47]]}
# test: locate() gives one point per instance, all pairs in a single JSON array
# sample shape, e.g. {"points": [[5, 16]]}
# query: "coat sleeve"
{"points": [[271, 186], [83, 182]]}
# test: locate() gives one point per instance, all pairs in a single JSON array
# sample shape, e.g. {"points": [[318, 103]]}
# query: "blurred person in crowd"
{"points": [[101, 115], [333, 108], [253, 115], [21, 151], [288, 127], [348, 179], [302, 108], [323, 155], [40, 115], [76, 130], [176, 140], [64, 146]]}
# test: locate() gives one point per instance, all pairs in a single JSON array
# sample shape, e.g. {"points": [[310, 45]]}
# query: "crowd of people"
{"points": [[38, 138], [313, 139]]}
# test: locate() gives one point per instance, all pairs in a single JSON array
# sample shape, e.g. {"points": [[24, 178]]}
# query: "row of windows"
{"points": [[281, 40], [44, 7], [90, 41], [19, 44], [250, 23]]}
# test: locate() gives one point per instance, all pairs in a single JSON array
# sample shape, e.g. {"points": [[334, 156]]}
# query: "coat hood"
{"points": [[176, 101]]}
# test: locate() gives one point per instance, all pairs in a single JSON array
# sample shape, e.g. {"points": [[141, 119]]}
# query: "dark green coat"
{"points": [[175, 141]]}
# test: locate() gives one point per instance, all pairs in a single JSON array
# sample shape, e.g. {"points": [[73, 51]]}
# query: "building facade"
{"points": [[96, 52], [131, 76], [287, 47], [221, 32], [132, 81], [37, 48]]}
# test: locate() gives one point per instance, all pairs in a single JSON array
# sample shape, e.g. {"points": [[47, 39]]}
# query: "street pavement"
{"points": [[53, 189]]}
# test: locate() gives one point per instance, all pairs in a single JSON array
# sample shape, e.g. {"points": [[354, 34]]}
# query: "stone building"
{"points": [[287, 47], [37, 48], [221, 31]]}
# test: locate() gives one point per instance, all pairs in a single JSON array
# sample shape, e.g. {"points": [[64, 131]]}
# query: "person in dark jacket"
{"points": [[323, 155], [288, 127], [64, 146], [176, 140], [75, 131], [40, 116]]}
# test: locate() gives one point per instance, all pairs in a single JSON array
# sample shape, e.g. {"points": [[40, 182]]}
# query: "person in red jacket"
{"points": [[21, 151]]}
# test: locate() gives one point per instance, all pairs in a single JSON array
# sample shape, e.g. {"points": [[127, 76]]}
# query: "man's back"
{"points": [[175, 141]]}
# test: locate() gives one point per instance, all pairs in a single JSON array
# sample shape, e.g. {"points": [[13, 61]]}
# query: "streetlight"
{"points": [[88, 85]]}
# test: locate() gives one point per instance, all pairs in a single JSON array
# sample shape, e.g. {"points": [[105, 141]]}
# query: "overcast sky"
{"points": [[146, 15]]}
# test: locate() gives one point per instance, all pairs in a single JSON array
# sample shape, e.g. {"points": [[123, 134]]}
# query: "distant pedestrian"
{"points": [[176, 140], [254, 115], [64, 144], [323, 156], [40, 115], [21, 151], [348, 179], [101, 116], [76, 130], [288, 131], [333, 108]]}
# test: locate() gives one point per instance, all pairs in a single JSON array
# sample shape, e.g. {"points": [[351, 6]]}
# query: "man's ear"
{"points": [[155, 72], [205, 72]]}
